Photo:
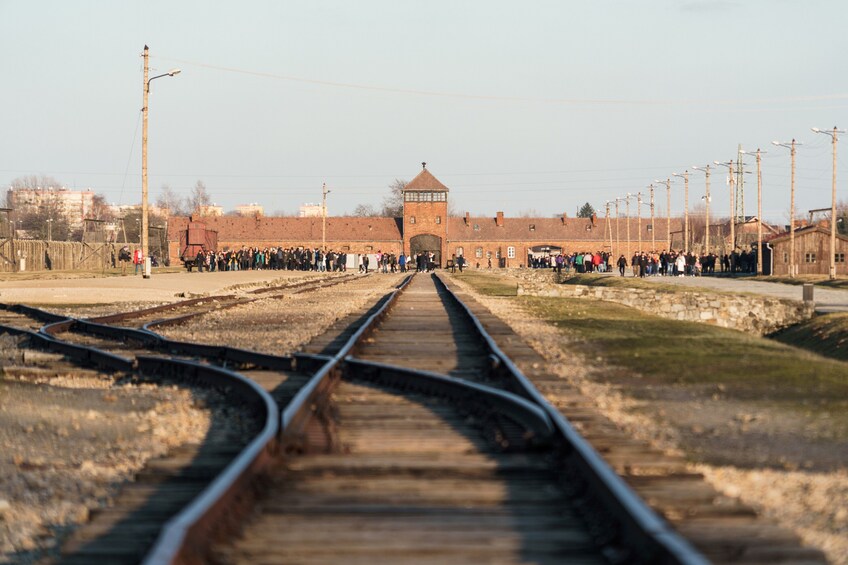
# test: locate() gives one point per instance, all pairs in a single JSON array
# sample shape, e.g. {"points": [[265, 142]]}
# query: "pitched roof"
{"points": [[801, 232], [548, 230], [282, 230], [425, 181]]}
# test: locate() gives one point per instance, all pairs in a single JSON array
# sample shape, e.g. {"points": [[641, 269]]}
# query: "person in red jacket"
{"points": [[138, 260]]}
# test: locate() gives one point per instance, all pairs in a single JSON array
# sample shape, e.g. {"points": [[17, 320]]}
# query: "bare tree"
{"points": [[393, 203], [100, 209], [35, 182], [199, 197], [171, 201], [365, 210]]}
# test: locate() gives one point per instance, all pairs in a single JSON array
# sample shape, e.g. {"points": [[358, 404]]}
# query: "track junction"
{"points": [[408, 433]]}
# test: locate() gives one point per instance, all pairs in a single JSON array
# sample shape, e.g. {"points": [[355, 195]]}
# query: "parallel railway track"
{"points": [[407, 434]]}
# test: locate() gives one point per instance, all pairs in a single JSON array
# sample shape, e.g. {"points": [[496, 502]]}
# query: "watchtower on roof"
{"points": [[425, 215]]}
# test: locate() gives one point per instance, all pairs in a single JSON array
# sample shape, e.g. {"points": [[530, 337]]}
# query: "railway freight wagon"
{"points": [[196, 238]]}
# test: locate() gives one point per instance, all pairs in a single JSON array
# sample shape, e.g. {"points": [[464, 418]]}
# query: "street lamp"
{"points": [[667, 183], [833, 134], [639, 220], [617, 232], [144, 207], [324, 218], [791, 146], [49, 229], [627, 215], [759, 209], [706, 199], [685, 177], [732, 184]]}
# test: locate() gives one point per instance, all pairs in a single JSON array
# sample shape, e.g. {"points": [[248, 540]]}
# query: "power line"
{"points": [[503, 98]]}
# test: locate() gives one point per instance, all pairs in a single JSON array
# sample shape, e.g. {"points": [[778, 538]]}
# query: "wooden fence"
{"points": [[38, 255]]}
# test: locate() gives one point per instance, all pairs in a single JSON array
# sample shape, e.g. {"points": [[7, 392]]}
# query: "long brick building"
{"points": [[426, 226]]}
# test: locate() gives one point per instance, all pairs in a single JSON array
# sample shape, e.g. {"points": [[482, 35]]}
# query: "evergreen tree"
{"points": [[586, 211]]}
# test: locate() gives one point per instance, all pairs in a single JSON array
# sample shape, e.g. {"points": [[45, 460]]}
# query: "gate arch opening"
{"points": [[427, 242]]}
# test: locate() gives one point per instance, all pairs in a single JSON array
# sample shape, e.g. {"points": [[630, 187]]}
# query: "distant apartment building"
{"points": [[310, 211], [210, 210], [250, 210], [75, 204]]}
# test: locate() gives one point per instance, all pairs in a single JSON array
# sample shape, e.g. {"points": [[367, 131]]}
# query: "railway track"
{"points": [[407, 434], [387, 450], [124, 532]]}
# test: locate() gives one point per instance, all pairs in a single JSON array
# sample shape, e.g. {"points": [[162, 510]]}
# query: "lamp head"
{"points": [[173, 72], [817, 130]]}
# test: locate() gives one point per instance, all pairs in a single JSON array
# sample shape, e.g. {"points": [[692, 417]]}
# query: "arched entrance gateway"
{"points": [[427, 243]]}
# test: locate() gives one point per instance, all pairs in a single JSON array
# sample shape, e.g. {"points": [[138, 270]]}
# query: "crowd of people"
{"points": [[642, 264], [305, 259]]}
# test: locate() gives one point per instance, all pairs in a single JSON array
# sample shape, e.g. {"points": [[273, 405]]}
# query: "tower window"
{"points": [[412, 219], [438, 219], [478, 252], [510, 252]]}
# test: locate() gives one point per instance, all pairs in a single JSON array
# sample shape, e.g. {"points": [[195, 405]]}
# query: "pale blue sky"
{"points": [[516, 106]]}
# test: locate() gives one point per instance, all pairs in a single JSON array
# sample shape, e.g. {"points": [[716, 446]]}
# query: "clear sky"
{"points": [[526, 107]]}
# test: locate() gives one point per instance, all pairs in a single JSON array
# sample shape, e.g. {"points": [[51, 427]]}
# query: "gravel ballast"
{"points": [[69, 439], [280, 326], [809, 503]]}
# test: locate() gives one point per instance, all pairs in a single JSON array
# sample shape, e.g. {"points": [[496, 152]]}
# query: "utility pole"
{"points": [[835, 139], [627, 217], [740, 186], [144, 206], [653, 231], [793, 268], [639, 220], [730, 183], [667, 183], [759, 212], [706, 199], [617, 231], [685, 177], [609, 227], [325, 192]]}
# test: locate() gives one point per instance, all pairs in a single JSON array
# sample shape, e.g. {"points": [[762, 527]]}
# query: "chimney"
{"points": [[564, 218], [467, 218], [594, 217], [499, 220]]}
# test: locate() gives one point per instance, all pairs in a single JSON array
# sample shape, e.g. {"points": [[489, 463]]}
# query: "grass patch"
{"points": [[826, 335], [672, 352], [488, 285], [688, 354], [818, 280]]}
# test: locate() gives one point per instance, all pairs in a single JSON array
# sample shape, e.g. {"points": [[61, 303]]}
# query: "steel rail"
{"points": [[233, 482], [191, 524], [307, 405], [203, 515], [641, 526], [464, 393]]}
